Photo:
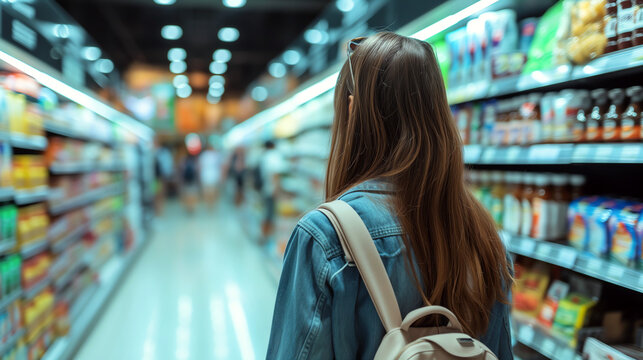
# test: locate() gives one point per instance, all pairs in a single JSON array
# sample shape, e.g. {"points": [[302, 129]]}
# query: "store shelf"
{"points": [[58, 129], [7, 246], [6, 194], [69, 239], [36, 289], [64, 279], [534, 336], [578, 261], [27, 142], [617, 61], [86, 198], [11, 342], [112, 274], [627, 153], [7, 300], [77, 168], [25, 197], [34, 248]]}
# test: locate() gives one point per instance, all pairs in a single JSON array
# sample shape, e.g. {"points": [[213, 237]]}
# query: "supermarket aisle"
{"points": [[199, 291]]}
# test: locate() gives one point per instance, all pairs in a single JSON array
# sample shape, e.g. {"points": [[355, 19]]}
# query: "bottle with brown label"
{"points": [[528, 194], [594, 125], [612, 119], [637, 34], [625, 25], [610, 20], [579, 130], [633, 115], [541, 208]]}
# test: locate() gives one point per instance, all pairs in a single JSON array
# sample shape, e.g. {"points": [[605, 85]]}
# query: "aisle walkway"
{"points": [[199, 291]]}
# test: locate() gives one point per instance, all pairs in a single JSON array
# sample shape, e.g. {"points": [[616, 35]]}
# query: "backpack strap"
{"points": [[359, 248]]}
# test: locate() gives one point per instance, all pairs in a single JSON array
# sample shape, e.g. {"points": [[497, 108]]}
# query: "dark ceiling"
{"points": [[129, 31]]}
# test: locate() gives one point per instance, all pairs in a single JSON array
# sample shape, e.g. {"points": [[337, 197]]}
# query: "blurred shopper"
{"points": [[237, 170], [210, 163], [189, 187], [164, 167], [270, 167], [396, 158]]}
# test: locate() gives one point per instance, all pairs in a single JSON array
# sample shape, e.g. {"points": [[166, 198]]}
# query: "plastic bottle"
{"points": [[541, 207], [632, 117], [637, 34], [497, 196], [625, 25], [610, 20], [512, 206], [532, 119], [526, 209], [594, 131], [561, 197], [612, 119], [580, 125], [547, 112]]}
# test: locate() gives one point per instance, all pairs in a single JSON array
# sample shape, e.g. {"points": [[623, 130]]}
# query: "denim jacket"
{"points": [[323, 310]]}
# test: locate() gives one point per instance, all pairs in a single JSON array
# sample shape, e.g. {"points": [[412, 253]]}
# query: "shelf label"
{"points": [[581, 153], [548, 347], [566, 257], [526, 246], [489, 155], [631, 152], [594, 265], [544, 153], [544, 250], [526, 334], [604, 151], [615, 271], [513, 154], [641, 281]]}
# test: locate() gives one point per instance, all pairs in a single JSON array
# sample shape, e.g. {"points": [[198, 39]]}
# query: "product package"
{"points": [[599, 239], [548, 46], [578, 220], [626, 243], [587, 40], [529, 290], [557, 291], [596, 350], [572, 314]]}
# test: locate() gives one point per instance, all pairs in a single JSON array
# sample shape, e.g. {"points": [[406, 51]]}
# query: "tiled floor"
{"points": [[200, 290]]}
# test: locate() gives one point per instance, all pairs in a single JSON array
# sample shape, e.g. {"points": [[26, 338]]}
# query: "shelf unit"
{"points": [[78, 168], [87, 198], [540, 339]]}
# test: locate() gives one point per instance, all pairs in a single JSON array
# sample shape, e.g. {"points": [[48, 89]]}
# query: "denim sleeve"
{"points": [[505, 351], [301, 327]]}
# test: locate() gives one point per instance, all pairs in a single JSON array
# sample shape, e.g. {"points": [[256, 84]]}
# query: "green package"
{"points": [[547, 51]]}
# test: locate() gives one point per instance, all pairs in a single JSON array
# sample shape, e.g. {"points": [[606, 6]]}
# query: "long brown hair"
{"points": [[400, 128]]}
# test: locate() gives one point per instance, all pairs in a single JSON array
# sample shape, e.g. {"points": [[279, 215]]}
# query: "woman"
{"points": [[396, 158]]}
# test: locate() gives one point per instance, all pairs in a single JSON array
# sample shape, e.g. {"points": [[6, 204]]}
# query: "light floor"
{"points": [[200, 290]]}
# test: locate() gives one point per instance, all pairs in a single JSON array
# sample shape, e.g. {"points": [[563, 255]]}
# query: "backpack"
{"points": [[402, 341]]}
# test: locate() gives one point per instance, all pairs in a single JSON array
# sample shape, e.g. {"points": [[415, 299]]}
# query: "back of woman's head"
{"points": [[399, 128]]}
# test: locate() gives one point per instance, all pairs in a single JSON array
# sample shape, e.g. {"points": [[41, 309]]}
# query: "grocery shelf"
{"points": [[77, 168], [112, 274], [606, 65], [86, 198], [25, 197], [68, 239], [29, 142], [7, 246], [62, 130], [64, 279], [34, 290], [34, 247], [11, 341], [540, 339], [555, 154], [6, 194], [578, 261], [5, 301]]}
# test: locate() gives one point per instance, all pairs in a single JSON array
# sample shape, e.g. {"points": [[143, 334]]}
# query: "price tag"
{"points": [[604, 152], [544, 153], [544, 250], [566, 353], [581, 153], [641, 281], [615, 271], [594, 265], [472, 154], [567, 257], [526, 334], [489, 155], [630, 152], [513, 154], [527, 246], [548, 346]]}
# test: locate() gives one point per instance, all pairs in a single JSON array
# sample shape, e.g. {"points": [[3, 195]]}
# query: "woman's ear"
{"points": [[350, 103]]}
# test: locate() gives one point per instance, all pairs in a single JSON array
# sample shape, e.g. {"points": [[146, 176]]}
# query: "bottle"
{"points": [[512, 206], [515, 121], [497, 196], [637, 34], [574, 105], [541, 208], [526, 210], [625, 25], [561, 197], [547, 112], [610, 20], [532, 124], [612, 119], [577, 182], [580, 125], [632, 118], [594, 131]]}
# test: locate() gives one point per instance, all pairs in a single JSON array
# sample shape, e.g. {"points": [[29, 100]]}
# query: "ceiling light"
{"points": [[184, 91], [228, 34], [216, 85], [61, 31], [213, 99], [218, 68], [222, 55], [180, 80], [178, 67], [277, 69], [291, 57], [92, 53], [176, 54], [315, 36], [216, 92], [259, 93], [105, 66], [165, 2], [217, 78], [171, 32], [234, 3], [345, 5]]}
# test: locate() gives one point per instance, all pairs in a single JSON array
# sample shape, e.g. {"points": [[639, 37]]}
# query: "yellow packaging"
{"points": [[571, 315]]}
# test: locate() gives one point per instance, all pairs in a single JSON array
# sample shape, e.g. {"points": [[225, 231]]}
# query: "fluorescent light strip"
{"points": [[80, 97], [236, 134]]}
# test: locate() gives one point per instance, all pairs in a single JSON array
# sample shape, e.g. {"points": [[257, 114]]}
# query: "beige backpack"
{"points": [[402, 341]]}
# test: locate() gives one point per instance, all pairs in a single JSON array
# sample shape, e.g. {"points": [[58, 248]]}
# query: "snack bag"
{"points": [[572, 312], [557, 291], [548, 45], [529, 290], [578, 221], [599, 239], [587, 38], [626, 243]]}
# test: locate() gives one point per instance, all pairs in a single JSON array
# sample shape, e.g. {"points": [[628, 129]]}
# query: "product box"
{"points": [[557, 291], [529, 290], [577, 217], [626, 243], [596, 350], [572, 312], [599, 239]]}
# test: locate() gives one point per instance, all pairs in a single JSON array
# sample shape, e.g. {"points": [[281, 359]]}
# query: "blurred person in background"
{"points": [[189, 178], [270, 168], [236, 170], [164, 168], [210, 168], [396, 159]]}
